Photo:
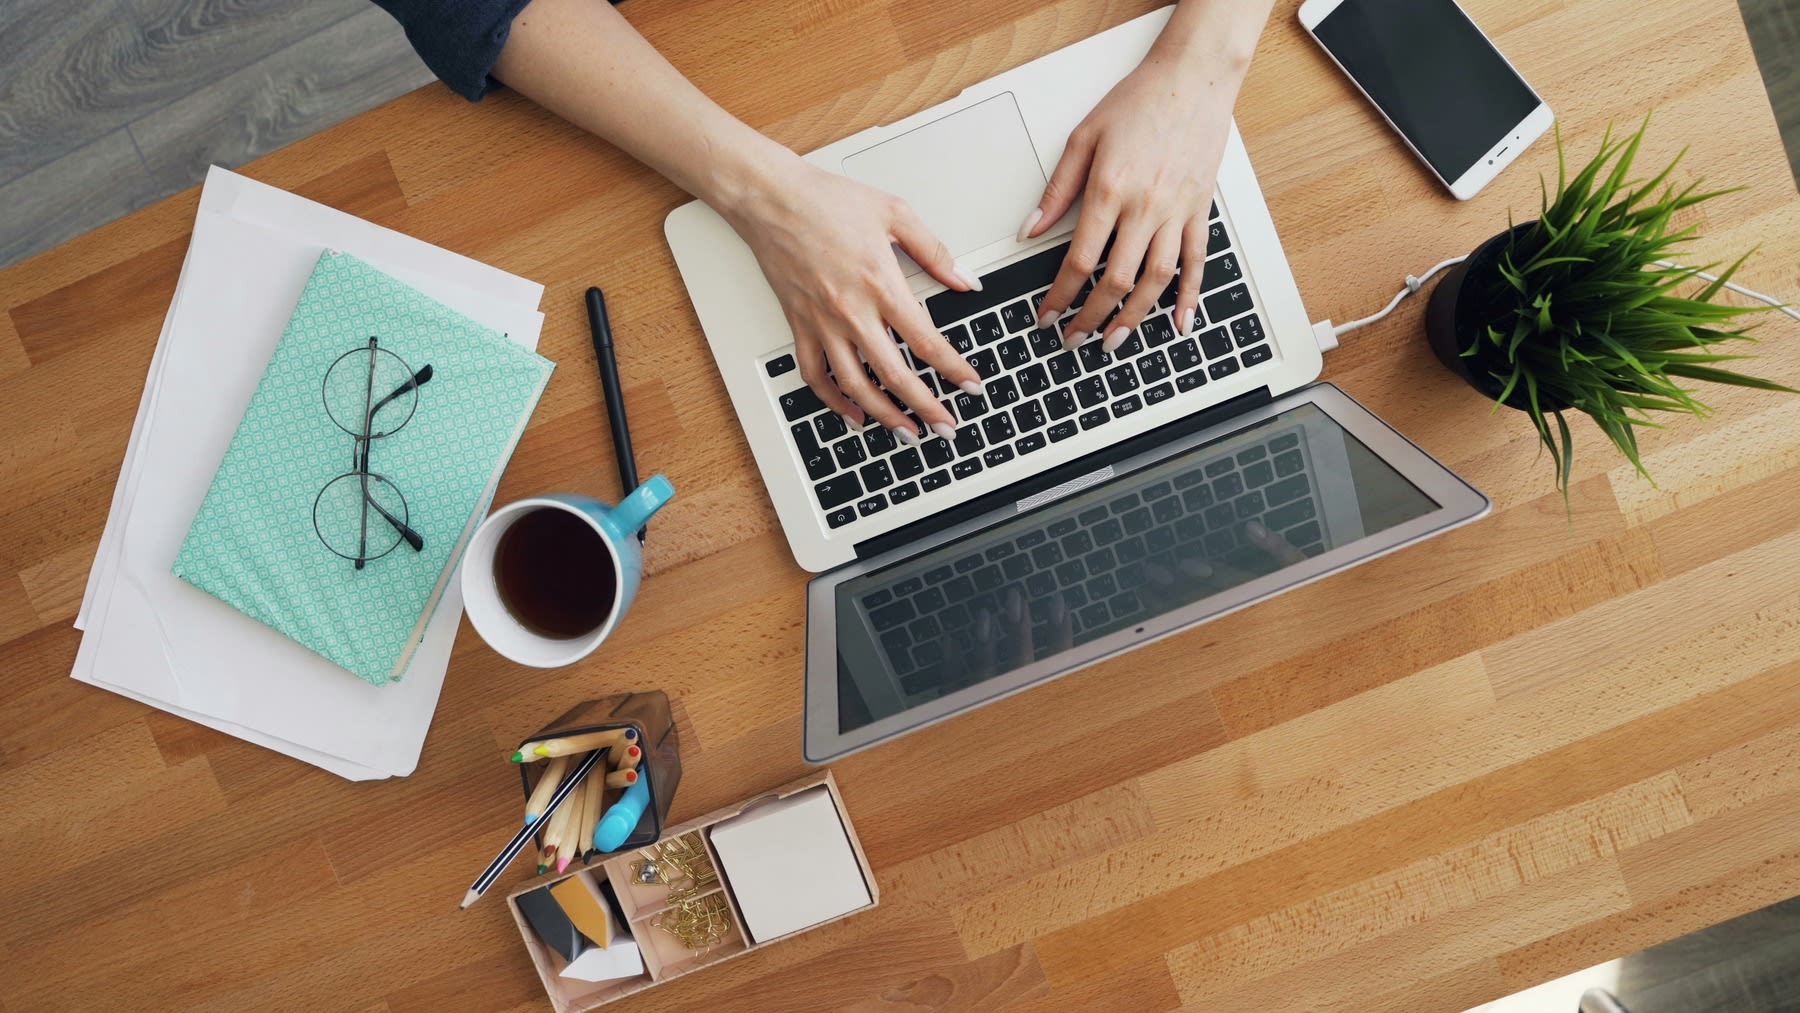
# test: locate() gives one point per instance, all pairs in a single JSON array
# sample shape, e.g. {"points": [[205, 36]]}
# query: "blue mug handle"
{"points": [[636, 509]]}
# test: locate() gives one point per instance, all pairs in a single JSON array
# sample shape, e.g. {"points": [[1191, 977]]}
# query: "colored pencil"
{"points": [[546, 786], [517, 844], [628, 758]]}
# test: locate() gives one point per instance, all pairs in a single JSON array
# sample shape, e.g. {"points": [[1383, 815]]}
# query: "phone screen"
{"points": [[1441, 82]]}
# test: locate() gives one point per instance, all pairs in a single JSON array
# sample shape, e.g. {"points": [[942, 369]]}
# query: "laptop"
{"points": [[1091, 502]]}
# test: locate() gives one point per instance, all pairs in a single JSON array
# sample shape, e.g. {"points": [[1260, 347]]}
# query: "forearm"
{"points": [[583, 61], [1212, 40]]}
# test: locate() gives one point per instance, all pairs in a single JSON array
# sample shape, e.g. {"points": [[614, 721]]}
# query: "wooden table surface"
{"points": [[1534, 744]]}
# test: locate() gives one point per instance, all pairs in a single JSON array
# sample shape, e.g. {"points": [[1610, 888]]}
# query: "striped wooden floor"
{"points": [[1535, 744]]}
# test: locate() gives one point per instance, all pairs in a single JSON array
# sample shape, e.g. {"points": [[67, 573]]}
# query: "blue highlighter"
{"points": [[622, 818]]}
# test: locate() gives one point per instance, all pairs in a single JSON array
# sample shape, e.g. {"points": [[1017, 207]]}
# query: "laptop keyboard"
{"points": [[1097, 556], [1036, 393]]}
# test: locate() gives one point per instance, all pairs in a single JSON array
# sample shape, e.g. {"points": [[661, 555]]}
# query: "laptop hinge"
{"points": [[1068, 473]]}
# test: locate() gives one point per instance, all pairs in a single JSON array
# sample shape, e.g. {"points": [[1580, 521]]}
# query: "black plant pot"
{"points": [[1457, 318]]}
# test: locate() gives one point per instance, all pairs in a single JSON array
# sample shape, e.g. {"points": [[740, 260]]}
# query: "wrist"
{"points": [[1210, 42], [746, 177]]}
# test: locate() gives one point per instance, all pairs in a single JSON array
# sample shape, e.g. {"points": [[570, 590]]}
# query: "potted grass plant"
{"points": [[1586, 310]]}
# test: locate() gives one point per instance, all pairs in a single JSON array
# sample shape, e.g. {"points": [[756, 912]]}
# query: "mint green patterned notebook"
{"points": [[263, 541]]}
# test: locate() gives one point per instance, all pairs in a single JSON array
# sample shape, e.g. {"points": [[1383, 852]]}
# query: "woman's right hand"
{"points": [[823, 242]]}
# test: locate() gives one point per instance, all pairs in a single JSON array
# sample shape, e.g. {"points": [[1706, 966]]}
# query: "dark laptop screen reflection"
{"points": [[1188, 528]]}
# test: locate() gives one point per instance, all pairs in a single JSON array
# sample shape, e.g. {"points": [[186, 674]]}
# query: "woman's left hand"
{"points": [[1144, 161]]}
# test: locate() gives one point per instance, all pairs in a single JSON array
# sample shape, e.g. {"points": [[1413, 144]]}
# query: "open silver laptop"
{"points": [[1060, 438]]}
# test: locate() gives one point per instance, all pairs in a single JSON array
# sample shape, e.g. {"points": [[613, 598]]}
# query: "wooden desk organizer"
{"points": [[664, 956]]}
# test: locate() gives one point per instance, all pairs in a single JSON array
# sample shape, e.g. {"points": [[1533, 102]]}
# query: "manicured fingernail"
{"points": [[852, 421], [1196, 568], [1058, 610], [1044, 318], [968, 278], [1158, 575], [906, 435], [1256, 531], [1031, 220], [944, 429], [973, 388], [984, 626], [1187, 321], [1073, 338], [1015, 608], [1115, 339]]}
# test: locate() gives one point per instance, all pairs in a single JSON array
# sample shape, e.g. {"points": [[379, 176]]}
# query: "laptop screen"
{"points": [[1110, 557]]}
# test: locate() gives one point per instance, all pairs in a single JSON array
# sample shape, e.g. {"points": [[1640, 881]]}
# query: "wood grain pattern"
{"points": [[1534, 744]]}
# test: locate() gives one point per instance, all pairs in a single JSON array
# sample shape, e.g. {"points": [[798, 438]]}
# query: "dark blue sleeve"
{"points": [[458, 39]]}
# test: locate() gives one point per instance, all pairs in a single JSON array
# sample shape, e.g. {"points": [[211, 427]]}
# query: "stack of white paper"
{"points": [[154, 638]]}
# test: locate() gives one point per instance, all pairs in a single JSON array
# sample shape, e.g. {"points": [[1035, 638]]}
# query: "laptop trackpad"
{"points": [[972, 175]]}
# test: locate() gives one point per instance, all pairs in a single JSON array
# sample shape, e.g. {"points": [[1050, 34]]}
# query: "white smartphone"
{"points": [[1438, 81]]}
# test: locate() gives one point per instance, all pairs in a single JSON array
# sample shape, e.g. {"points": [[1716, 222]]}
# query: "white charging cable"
{"points": [[1327, 334]]}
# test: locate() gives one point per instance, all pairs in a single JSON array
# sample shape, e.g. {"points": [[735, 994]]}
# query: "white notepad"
{"points": [[790, 864]]}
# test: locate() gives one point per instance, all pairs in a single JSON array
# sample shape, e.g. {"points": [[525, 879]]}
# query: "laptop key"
{"points": [[1062, 431], [1222, 369], [1219, 516], [1059, 403], [964, 565], [1256, 355], [1091, 392], [909, 587], [1077, 543], [1093, 357], [907, 463], [1016, 567], [1166, 510], [1227, 303], [1040, 583], [1247, 330], [969, 441], [1125, 503], [1018, 316], [966, 468], [959, 339], [1108, 531], [998, 428], [1200, 497], [937, 453], [1137, 521], [1158, 330], [1259, 474], [838, 490], [1131, 346], [1029, 416], [1129, 549], [1153, 367], [1158, 394], [889, 617], [1030, 538], [874, 504], [1215, 343], [1216, 239], [879, 440], [1228, 487], [1102, 586], [986, 363], [1122, 379], [1002, 392], [1033, 381], [935, 480], [779, 365], [1220, 270], [1221, 466], [1188, 381], [987, 329], [1031, 444], [1289, 463], [1062, 526], [1126, 406], [903, 492], [840, 517], [1014, 353], [849, 452], [996, 456], [969, 407], [1047, 555], [1284, 517], [1094, 419], [1286, 490], [1286, 441], [1064, 367], [1184, 354], [798, 404], [1045, 342], [1249, 505]]}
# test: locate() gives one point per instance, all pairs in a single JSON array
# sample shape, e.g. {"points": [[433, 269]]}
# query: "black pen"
{"points": [[609, 386]]}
